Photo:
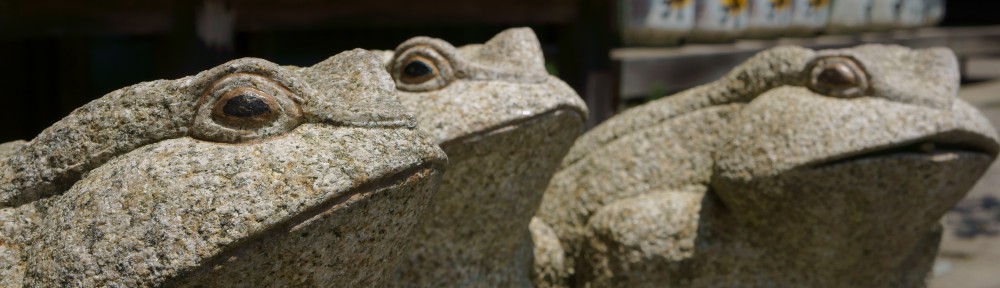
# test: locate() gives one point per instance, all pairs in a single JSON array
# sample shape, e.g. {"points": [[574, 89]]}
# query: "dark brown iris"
{"points": [[418, 69], [838, 76], [245, 107]]}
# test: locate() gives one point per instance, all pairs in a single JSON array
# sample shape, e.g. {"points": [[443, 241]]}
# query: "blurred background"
{"points": [[57, 55]]}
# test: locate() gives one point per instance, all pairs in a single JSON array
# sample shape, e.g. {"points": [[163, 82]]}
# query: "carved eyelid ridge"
{"points": [[260, 67], [819, 57], [280, 85], [463, 68]]}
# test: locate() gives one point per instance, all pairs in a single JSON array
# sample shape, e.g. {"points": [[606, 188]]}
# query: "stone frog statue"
{"points": [[799, 168], [505, 124], [246, 175]]}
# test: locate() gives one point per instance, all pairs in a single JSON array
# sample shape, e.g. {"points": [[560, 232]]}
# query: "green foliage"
{"points": [[657, 91], [552, 69]]}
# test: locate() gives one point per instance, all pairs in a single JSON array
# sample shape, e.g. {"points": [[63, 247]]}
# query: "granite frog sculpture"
{"points": [[248, 174], [799, 168], [504, 123]]}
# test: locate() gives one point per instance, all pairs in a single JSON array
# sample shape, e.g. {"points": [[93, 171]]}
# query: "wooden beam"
{"points": [[28, 18]]}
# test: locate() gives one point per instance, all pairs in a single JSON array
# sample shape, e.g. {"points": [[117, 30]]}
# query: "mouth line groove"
{"points": [[924, 147], [513, 122]]}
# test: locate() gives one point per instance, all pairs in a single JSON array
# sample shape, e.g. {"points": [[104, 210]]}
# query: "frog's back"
{"points": [[764, 71], [662, 145], [638, 119]]}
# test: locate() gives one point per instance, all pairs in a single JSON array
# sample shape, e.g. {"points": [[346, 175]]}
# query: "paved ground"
{"points": [[970, 251]]}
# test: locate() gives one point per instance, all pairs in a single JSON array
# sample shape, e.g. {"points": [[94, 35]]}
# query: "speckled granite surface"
{"points": [[505, 124], [800, 168], [970, 247], [248, 174]]}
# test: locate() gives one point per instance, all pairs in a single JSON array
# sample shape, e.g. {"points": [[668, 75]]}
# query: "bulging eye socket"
{"points": [[838, 76], [421, 68], [244, 107]]}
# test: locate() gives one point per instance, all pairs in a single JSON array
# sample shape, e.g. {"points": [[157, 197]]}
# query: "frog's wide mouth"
{"points": [[548, 114], [936, 147]]}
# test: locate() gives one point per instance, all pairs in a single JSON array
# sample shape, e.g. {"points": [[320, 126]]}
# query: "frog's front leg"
{"points": [[12, 264], [635, 242], [551, 268]]}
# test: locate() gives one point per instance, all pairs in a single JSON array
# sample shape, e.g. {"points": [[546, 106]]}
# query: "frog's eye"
{"points": [[418, 70], [421, 68], [241, 107], [838, 76], [246, 108]]}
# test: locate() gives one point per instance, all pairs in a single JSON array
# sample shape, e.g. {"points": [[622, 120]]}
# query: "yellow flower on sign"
{"points": [[734, 6], [817, 4], [677, 4], [780, 4]]}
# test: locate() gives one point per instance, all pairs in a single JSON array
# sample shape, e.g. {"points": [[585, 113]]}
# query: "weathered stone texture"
{"points": [[314, 176], [800, 168], [505, 124]]}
